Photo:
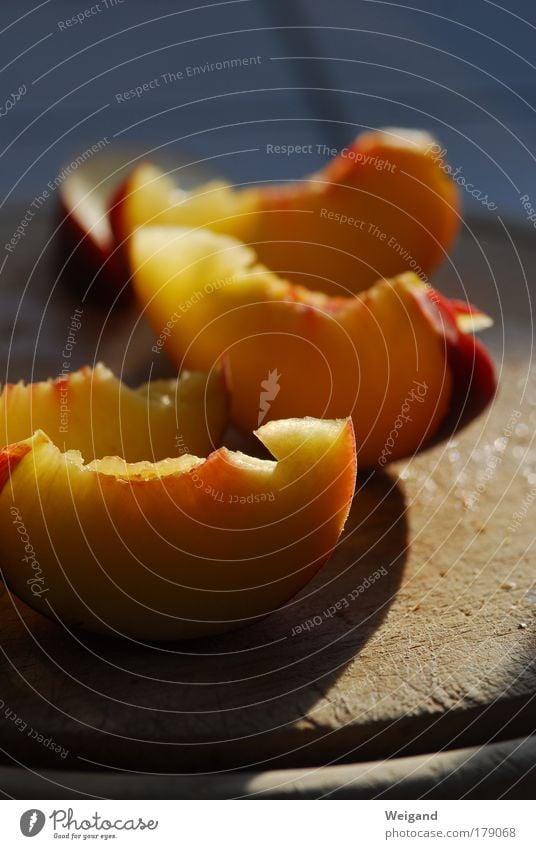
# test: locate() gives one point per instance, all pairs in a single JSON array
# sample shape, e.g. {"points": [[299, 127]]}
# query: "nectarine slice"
{"points": [[383, 206], [94, 412], [394, 357], [179, 548], [86, 240]]}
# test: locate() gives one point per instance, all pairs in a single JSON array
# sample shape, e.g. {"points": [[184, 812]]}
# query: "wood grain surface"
{"points": [[498, 770], [437, 651]]}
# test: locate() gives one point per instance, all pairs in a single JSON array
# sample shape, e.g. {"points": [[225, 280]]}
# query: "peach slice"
{"points": [[180, 548], [393, 357], [85, 230], [87, 255], [94, 412], [383, 206]]}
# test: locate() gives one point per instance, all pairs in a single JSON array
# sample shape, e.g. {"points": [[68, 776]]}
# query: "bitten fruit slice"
{"points": [[393, 357], [92, 411], [180, 548], [86, 238], [383, 206]]}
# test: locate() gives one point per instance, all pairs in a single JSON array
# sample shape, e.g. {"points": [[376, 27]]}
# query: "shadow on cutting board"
{"points": [[251, 698]]}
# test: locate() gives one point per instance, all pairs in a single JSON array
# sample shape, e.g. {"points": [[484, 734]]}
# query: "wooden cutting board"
{"points": [[439, 650]]}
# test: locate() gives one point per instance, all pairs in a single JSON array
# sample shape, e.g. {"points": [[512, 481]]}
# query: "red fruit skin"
{"points": [[471, 367], [473, 372], [119, 230], [95, 268], [116, 212], [10, 457]]}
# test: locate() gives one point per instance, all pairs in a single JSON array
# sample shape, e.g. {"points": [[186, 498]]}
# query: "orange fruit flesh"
{"points": [[374, 356], [178, 549], [383, 206], [92, 411]]}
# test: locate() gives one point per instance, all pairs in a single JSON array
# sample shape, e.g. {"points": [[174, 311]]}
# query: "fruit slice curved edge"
{"points": [[176, 549], [385, 204], [393, 357], [94, 412]]}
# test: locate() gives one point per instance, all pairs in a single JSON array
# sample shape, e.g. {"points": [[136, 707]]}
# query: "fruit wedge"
{"points": [[383, 206], [87, 255], [87, 242], [92, 411], [180, 548], [393, 357]]}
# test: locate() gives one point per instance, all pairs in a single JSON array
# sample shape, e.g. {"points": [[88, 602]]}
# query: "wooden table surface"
{"points": [[440, 651]]}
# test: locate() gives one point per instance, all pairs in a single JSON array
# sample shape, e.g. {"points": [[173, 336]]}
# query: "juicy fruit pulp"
{"points": [[178, 549], [384, 356], [383, 206], [95, 413]]}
